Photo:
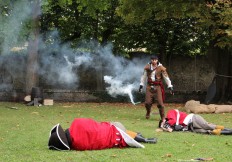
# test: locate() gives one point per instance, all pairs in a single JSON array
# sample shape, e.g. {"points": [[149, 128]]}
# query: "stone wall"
{"points": [[191, 74], [190, 77]]}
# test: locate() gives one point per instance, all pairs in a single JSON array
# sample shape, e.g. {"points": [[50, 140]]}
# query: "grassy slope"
{"points": [[24, 134]]}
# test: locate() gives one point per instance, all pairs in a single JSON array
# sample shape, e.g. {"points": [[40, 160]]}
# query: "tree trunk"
{"points": [[99, 76], [222, 63], [32, 59]]}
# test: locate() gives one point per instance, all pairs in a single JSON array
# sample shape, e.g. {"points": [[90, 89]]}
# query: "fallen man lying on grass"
{"points": [[88, 134], [181, 121]]}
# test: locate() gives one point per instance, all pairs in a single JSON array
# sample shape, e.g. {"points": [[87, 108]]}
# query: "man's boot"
{"points": [[140, 138], [148, 109], [226, 132], [162, 116], [161, 112], [222, 132], [161, 123]]}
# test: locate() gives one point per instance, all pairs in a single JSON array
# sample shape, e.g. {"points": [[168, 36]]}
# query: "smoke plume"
{"points": [[57, 60]]}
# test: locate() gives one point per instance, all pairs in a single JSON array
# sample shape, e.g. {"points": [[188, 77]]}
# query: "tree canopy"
{"points": [[212, 14], [155, 26]]}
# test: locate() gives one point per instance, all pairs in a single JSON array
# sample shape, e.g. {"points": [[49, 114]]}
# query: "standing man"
{"points": [[154, 73]]}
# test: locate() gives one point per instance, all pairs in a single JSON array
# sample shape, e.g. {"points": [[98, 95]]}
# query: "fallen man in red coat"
{"points": [[181, 121], [88, 134]]}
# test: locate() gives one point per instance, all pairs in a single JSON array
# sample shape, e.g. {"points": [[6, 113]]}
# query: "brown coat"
{"points": [[160, 71]]}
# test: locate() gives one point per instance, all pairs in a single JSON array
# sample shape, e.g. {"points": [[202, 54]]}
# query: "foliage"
{"points": [[215, 15], [76, 23], [137, 11], [221, 15], [24, 134], [168, 37], [76, 19]]}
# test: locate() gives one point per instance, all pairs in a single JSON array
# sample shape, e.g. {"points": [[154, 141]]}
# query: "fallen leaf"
{"points": [[168, 155], [159, 130], [37, 113]]}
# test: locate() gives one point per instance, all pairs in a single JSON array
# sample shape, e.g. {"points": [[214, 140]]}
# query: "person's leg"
{"points": [[160, 104], [139, 137], [148, 101], [136, 136], [200, 125]]}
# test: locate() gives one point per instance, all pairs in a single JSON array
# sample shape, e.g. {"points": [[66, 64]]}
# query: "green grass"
{"points": [[24, 134]]}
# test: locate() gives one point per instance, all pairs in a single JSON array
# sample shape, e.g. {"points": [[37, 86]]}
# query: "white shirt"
{"points": [[188, 119]]}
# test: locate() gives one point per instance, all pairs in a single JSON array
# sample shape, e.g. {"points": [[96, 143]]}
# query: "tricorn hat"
{"points": [[57, 139]]}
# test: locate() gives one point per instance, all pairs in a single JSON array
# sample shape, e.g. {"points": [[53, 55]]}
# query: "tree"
{"points": [[220, 47], [32, 59], [16, 31], [213, 17], [77, 20]]}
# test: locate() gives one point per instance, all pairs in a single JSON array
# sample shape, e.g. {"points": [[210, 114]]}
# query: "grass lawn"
{"points": [[24, 134]]}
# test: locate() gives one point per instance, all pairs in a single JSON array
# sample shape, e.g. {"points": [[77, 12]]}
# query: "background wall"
{"points": [[190, 77]]}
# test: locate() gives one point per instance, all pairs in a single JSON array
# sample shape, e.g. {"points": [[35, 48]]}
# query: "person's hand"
{"points": [[171, 90], [166, 126], [140, 88], [167, 129]]}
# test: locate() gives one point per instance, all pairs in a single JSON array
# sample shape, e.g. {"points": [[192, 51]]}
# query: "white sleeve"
{"points": [[143, 78], [167, 81]]}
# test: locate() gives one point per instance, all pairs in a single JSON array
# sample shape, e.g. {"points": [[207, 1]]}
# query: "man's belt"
{"points": [[158, 83]]}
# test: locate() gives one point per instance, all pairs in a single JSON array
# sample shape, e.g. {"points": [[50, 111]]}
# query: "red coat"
{"points": [[87, 134], [172, 117]]}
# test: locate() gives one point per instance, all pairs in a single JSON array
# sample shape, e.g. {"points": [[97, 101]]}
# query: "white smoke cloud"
{"points": [[58, 61], [12, 26], [126, 77], [118, 88]]}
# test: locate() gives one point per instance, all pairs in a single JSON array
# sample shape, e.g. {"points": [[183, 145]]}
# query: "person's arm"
{"points": [[166, 77], [143, 80], [171, 117], [167, 80]]}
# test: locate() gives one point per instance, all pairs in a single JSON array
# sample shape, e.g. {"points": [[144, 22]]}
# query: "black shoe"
{"points": [[151, 140], [227, 129], [226, 132], [140, 138]]}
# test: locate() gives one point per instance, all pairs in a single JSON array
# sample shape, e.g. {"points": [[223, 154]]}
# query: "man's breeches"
{"points": [[200, 125], [151, 94]]}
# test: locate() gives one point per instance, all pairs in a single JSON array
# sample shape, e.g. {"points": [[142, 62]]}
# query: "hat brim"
{"points": [[57, 139]]}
